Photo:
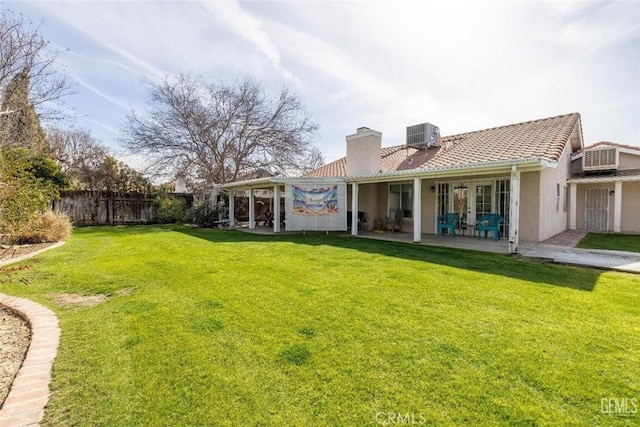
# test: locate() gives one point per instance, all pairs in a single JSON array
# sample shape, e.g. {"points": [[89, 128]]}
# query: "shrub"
{"points": [[169, 209], [202, 215], [23, 196], [47, 227]]}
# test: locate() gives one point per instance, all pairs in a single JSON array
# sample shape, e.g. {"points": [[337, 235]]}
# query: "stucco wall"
{"points": [[428, 224], [363, 152], [368, 203], [553, 216], [529, 229], [630, 207], [628, 161]]}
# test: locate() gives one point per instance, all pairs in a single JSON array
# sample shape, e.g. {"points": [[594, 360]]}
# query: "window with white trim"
{"points": [[401, 197]]}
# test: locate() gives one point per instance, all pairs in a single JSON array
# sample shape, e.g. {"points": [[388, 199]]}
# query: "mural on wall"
{"points": [[315, 201]]}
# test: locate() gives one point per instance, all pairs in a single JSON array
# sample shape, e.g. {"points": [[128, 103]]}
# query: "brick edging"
{"points": [[29, 392]]}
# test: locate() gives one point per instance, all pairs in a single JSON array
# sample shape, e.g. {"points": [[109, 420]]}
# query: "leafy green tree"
{"points": [[23, 196], [48, 170]]}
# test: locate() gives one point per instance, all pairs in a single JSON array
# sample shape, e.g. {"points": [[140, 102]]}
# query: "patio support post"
{"points": [[617, 207], [252, 214], [232, 207], [276, 208], [354, 209], [514, 210], [417, 210], [573, 209]]}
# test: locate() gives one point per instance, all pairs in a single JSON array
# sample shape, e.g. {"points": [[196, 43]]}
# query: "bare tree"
{"points": [[24, 51], [217, 132], [89, 165]]}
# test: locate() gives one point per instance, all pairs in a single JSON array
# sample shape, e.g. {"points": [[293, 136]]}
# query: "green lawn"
{"points": [[616, 242], [227, 328]]}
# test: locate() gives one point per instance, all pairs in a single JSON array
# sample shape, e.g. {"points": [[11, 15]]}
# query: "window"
{"points": [[401, 197], [503, 204], [557, 197]]}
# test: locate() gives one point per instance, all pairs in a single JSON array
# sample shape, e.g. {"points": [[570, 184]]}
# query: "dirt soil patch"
{"points": [[75, 300], [7, 252], [15, 336]]}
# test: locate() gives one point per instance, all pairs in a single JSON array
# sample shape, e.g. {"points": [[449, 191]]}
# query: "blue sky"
{"points": [[461, 65]]}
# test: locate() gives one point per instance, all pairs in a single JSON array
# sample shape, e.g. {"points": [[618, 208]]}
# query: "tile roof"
{"points": [[543, 138], [609, 144]]}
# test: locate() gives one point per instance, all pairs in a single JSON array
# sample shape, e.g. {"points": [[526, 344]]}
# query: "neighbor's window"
{"points": [[557, 197], [401, 197]]}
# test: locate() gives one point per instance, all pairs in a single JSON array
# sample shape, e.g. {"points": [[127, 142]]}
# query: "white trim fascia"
{"points": [[269, 182], [502, 166], [604, 179]]}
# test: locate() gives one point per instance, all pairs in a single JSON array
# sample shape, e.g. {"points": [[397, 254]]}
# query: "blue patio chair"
{"points": [[448, 221], [489, 222]]}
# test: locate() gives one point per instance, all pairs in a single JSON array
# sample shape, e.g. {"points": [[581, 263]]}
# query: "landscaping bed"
{"points": [[14, 342]]}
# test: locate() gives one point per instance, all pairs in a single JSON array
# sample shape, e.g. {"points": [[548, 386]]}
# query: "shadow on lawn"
{"points": [[501, 265]]}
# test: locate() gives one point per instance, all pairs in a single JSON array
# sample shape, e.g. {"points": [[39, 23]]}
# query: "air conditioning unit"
{"points": [[597, 159], [424, 134]]}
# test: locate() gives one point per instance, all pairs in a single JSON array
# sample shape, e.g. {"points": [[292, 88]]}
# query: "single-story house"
{"points": [[533, 174]]}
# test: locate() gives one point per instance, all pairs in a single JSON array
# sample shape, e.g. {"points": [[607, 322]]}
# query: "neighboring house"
{"points": [[521, 171], [605, 188]]}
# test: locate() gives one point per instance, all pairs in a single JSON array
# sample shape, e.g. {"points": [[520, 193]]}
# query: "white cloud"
{"points": [[384, 64], [246, 26]]}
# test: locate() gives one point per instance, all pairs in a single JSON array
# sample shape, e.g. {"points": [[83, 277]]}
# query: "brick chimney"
{"points": [[363, 152]]}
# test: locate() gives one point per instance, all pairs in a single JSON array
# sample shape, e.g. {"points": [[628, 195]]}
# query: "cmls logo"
{"points": [[396, 418], [613, 406]]}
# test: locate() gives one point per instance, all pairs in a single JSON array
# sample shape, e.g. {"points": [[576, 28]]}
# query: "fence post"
{"points": [[112, 208]]}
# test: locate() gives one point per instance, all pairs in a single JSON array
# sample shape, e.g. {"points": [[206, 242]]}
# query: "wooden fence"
{"points": [[105, 207]]}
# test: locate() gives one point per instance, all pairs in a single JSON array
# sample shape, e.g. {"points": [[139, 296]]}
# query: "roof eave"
{"points": [[502, 166], [277, 180], [598, 179]]}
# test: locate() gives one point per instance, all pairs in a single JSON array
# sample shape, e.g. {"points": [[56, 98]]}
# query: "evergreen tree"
{"points": [[21, 125]]}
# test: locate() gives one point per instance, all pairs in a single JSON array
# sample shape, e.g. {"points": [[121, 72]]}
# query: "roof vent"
{"points": [[423, 135], [596, 159]]}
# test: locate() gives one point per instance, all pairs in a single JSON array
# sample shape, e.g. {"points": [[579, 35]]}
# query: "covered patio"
{"points": [[459, 242]]}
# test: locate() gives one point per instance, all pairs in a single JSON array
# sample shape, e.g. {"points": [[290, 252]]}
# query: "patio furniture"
{"points": [[266, 219], [489, 222], [394, 221], [447, 221]]}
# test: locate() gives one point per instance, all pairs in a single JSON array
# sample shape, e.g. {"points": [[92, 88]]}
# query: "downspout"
{"points": [[514, 210]]}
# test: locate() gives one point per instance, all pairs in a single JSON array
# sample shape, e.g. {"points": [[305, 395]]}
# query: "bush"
{"points": [[169, 209], [202, 215], [48, 227], [23, 196]]}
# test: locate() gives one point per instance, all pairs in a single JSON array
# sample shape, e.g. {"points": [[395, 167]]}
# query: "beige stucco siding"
{"points": [[428, 224], [630, 207], [628, 161], [553, 215], [368, 203], [529, 229]]}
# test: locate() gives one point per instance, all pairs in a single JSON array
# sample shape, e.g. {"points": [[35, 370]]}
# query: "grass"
{"points": [[616, 242], [227, 328]]}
